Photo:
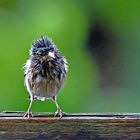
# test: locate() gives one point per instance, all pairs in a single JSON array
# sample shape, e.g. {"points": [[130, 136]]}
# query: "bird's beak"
{"points": [[51, 54]]}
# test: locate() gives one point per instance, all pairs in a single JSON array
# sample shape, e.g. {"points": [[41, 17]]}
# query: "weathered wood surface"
{"points": [[81, 126]]}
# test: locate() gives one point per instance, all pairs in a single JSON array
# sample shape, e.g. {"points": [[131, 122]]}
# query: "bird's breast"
{"points": [[47, 80], [52, 70]]}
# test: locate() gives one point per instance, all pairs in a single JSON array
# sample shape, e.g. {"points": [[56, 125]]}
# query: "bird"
{"points": [[44, 73]]}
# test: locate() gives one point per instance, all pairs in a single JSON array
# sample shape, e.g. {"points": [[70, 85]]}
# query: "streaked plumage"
{"points": [[45, 72]]}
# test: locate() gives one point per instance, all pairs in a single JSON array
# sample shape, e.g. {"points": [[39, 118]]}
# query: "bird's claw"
{"points": [[60, 113], [28, 114]]}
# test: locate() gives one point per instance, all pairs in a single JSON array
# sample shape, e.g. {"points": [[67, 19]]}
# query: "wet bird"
{"points": [[44, 73]]}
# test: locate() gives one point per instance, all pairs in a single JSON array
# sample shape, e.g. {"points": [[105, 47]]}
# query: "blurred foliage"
{"points": [[68, 24]]}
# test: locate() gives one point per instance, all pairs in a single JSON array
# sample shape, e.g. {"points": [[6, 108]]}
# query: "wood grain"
{"points": [[79, 126]]}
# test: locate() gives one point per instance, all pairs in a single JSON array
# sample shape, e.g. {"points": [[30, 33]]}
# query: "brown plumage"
{"points": [[45, 72]]}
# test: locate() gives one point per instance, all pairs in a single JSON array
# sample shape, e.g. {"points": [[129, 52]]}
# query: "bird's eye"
{"points": [[42, 53], [50, 49]]}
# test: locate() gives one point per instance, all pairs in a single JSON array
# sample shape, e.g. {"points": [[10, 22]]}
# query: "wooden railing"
{"points": [[79, 126]]}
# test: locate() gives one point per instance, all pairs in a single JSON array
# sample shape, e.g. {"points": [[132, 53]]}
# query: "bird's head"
{"points": [[44, 49]]}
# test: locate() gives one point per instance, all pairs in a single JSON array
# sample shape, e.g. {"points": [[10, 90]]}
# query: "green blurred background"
{"points": [[99, 38]]}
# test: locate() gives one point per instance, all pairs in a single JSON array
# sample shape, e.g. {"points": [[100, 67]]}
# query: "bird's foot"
{"points": [[60, 113], [28, 114]]}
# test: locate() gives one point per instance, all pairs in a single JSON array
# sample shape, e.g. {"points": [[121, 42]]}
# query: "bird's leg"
{"points": [[29, 114], [59, 112]]}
